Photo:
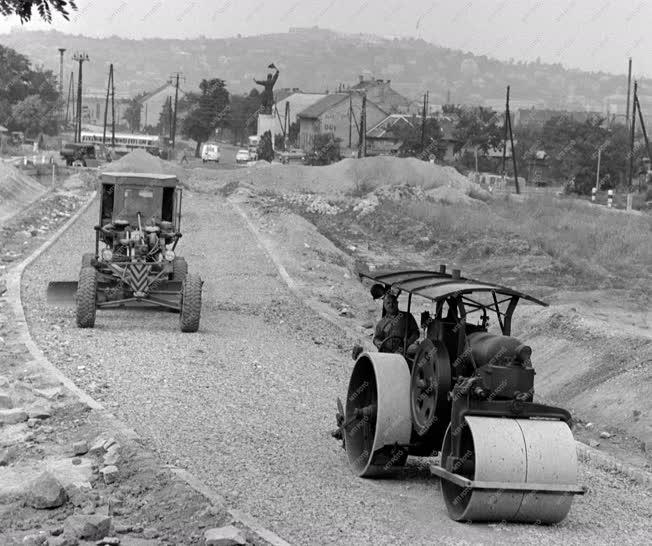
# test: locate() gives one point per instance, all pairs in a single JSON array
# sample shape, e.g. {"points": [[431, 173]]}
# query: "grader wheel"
{"points": [[190, 303], [86, 297], [377, 423], [519, 468], [179, 269]]}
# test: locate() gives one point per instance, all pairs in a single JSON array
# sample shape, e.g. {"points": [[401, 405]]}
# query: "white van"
{"points": [[210, 152]]}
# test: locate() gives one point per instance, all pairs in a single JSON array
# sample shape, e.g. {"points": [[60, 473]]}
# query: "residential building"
{"points": [[537, 118], [380, 92], [337, 114], [385, 136], [296, 102], [93, 109]]}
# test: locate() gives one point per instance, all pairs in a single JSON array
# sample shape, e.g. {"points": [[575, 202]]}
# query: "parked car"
{"points": [[242, 156], [210, 152]]}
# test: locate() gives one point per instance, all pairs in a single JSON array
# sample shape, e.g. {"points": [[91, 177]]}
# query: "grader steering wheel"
{"points": [[391, 344]]}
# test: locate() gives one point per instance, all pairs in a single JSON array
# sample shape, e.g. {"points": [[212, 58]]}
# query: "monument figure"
{"points": [[267, 96]]}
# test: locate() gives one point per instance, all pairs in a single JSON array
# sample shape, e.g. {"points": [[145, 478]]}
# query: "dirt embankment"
{"points": [[17, 191]]}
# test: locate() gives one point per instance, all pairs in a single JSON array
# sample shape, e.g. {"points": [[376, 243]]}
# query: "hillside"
{"points": [[318, 59]]}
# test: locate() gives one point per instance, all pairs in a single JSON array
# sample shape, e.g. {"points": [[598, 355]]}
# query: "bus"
{"points": [[124, 142]]}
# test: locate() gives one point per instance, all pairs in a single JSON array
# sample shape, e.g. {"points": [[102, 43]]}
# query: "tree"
{"points": [[21, 81], [23, 8], [265, 149], [242, 117], [165, 118], [293, 133], [410, 136], [33, 116], [325, 149], [479, 127], [132, 112], [208, 112]]}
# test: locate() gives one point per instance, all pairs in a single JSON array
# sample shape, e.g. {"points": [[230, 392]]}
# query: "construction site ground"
{"points": [[247, 403]]}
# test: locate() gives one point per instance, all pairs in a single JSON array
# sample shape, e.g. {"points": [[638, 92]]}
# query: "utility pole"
{"points": [[350, 117], [80, 58], [597, 172], [637, 105], [112, 110], [629, 84], [631, 141], [61, 52], [286, 131], [362, 140], [423, 121], [71, 97], [173, 132], [106, 103], [508, 129]]}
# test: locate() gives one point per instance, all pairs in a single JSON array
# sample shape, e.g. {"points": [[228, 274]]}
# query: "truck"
{"points": [[210, 152]]}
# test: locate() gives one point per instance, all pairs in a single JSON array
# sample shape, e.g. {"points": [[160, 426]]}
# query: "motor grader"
{"points": [[466, 393], [135, 259]]}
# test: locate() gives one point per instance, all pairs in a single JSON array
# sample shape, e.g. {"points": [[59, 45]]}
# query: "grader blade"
{"points": [[61, 292]]}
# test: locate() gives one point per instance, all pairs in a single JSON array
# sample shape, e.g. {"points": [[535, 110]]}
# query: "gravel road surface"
{"points": [[247, 402]]}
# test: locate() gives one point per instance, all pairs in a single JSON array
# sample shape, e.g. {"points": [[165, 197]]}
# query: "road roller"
{"points": [[465, 392]]}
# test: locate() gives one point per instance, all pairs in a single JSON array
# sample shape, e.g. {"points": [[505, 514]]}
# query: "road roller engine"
{"points": [[139, 228], [467, 393]]}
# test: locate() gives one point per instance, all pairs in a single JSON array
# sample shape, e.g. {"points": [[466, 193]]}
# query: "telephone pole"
{"points": [[61, 52], [362, 140], [630, 172], [80, 58], [423, 121], [173, 131], [109, 92], [629, 86], [71, 98], [508, 131]]}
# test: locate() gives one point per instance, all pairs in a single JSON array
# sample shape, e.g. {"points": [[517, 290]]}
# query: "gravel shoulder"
{"points": [[246, 403]]}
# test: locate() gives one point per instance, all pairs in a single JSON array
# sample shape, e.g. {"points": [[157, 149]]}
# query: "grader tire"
{"points": [[179, 269], [86, 259], [190, 303], [86, 297]]}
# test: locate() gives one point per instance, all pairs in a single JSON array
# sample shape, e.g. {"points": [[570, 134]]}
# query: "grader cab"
{"points": [[135, 259], [468, 394]]}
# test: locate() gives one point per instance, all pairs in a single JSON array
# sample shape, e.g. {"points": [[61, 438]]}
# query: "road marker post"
{"points": [[610, 198]]}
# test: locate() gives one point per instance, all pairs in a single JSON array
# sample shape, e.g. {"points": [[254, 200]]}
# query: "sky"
{"points": [[586, 34]]}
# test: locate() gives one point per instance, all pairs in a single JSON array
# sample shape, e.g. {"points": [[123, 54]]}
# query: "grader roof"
{"points": [[437, 286], [151, 179]]}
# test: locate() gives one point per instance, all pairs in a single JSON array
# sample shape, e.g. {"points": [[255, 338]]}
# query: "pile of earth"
{"points": [[140, 161], [17, 191], [346, 178]]}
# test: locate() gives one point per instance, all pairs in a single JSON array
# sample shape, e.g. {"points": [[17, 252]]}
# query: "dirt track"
{"points": [[246, 404]]}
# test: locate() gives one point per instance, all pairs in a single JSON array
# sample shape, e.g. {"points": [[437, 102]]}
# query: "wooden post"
{"points": [[597, 174], [511, 139], [631, 144]]}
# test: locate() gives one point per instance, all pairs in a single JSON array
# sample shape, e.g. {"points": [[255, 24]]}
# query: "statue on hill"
{"points": [[267, 96]]}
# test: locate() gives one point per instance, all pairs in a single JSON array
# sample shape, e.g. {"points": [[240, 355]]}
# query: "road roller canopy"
{"points": [[469, 295], [440, 286]]}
